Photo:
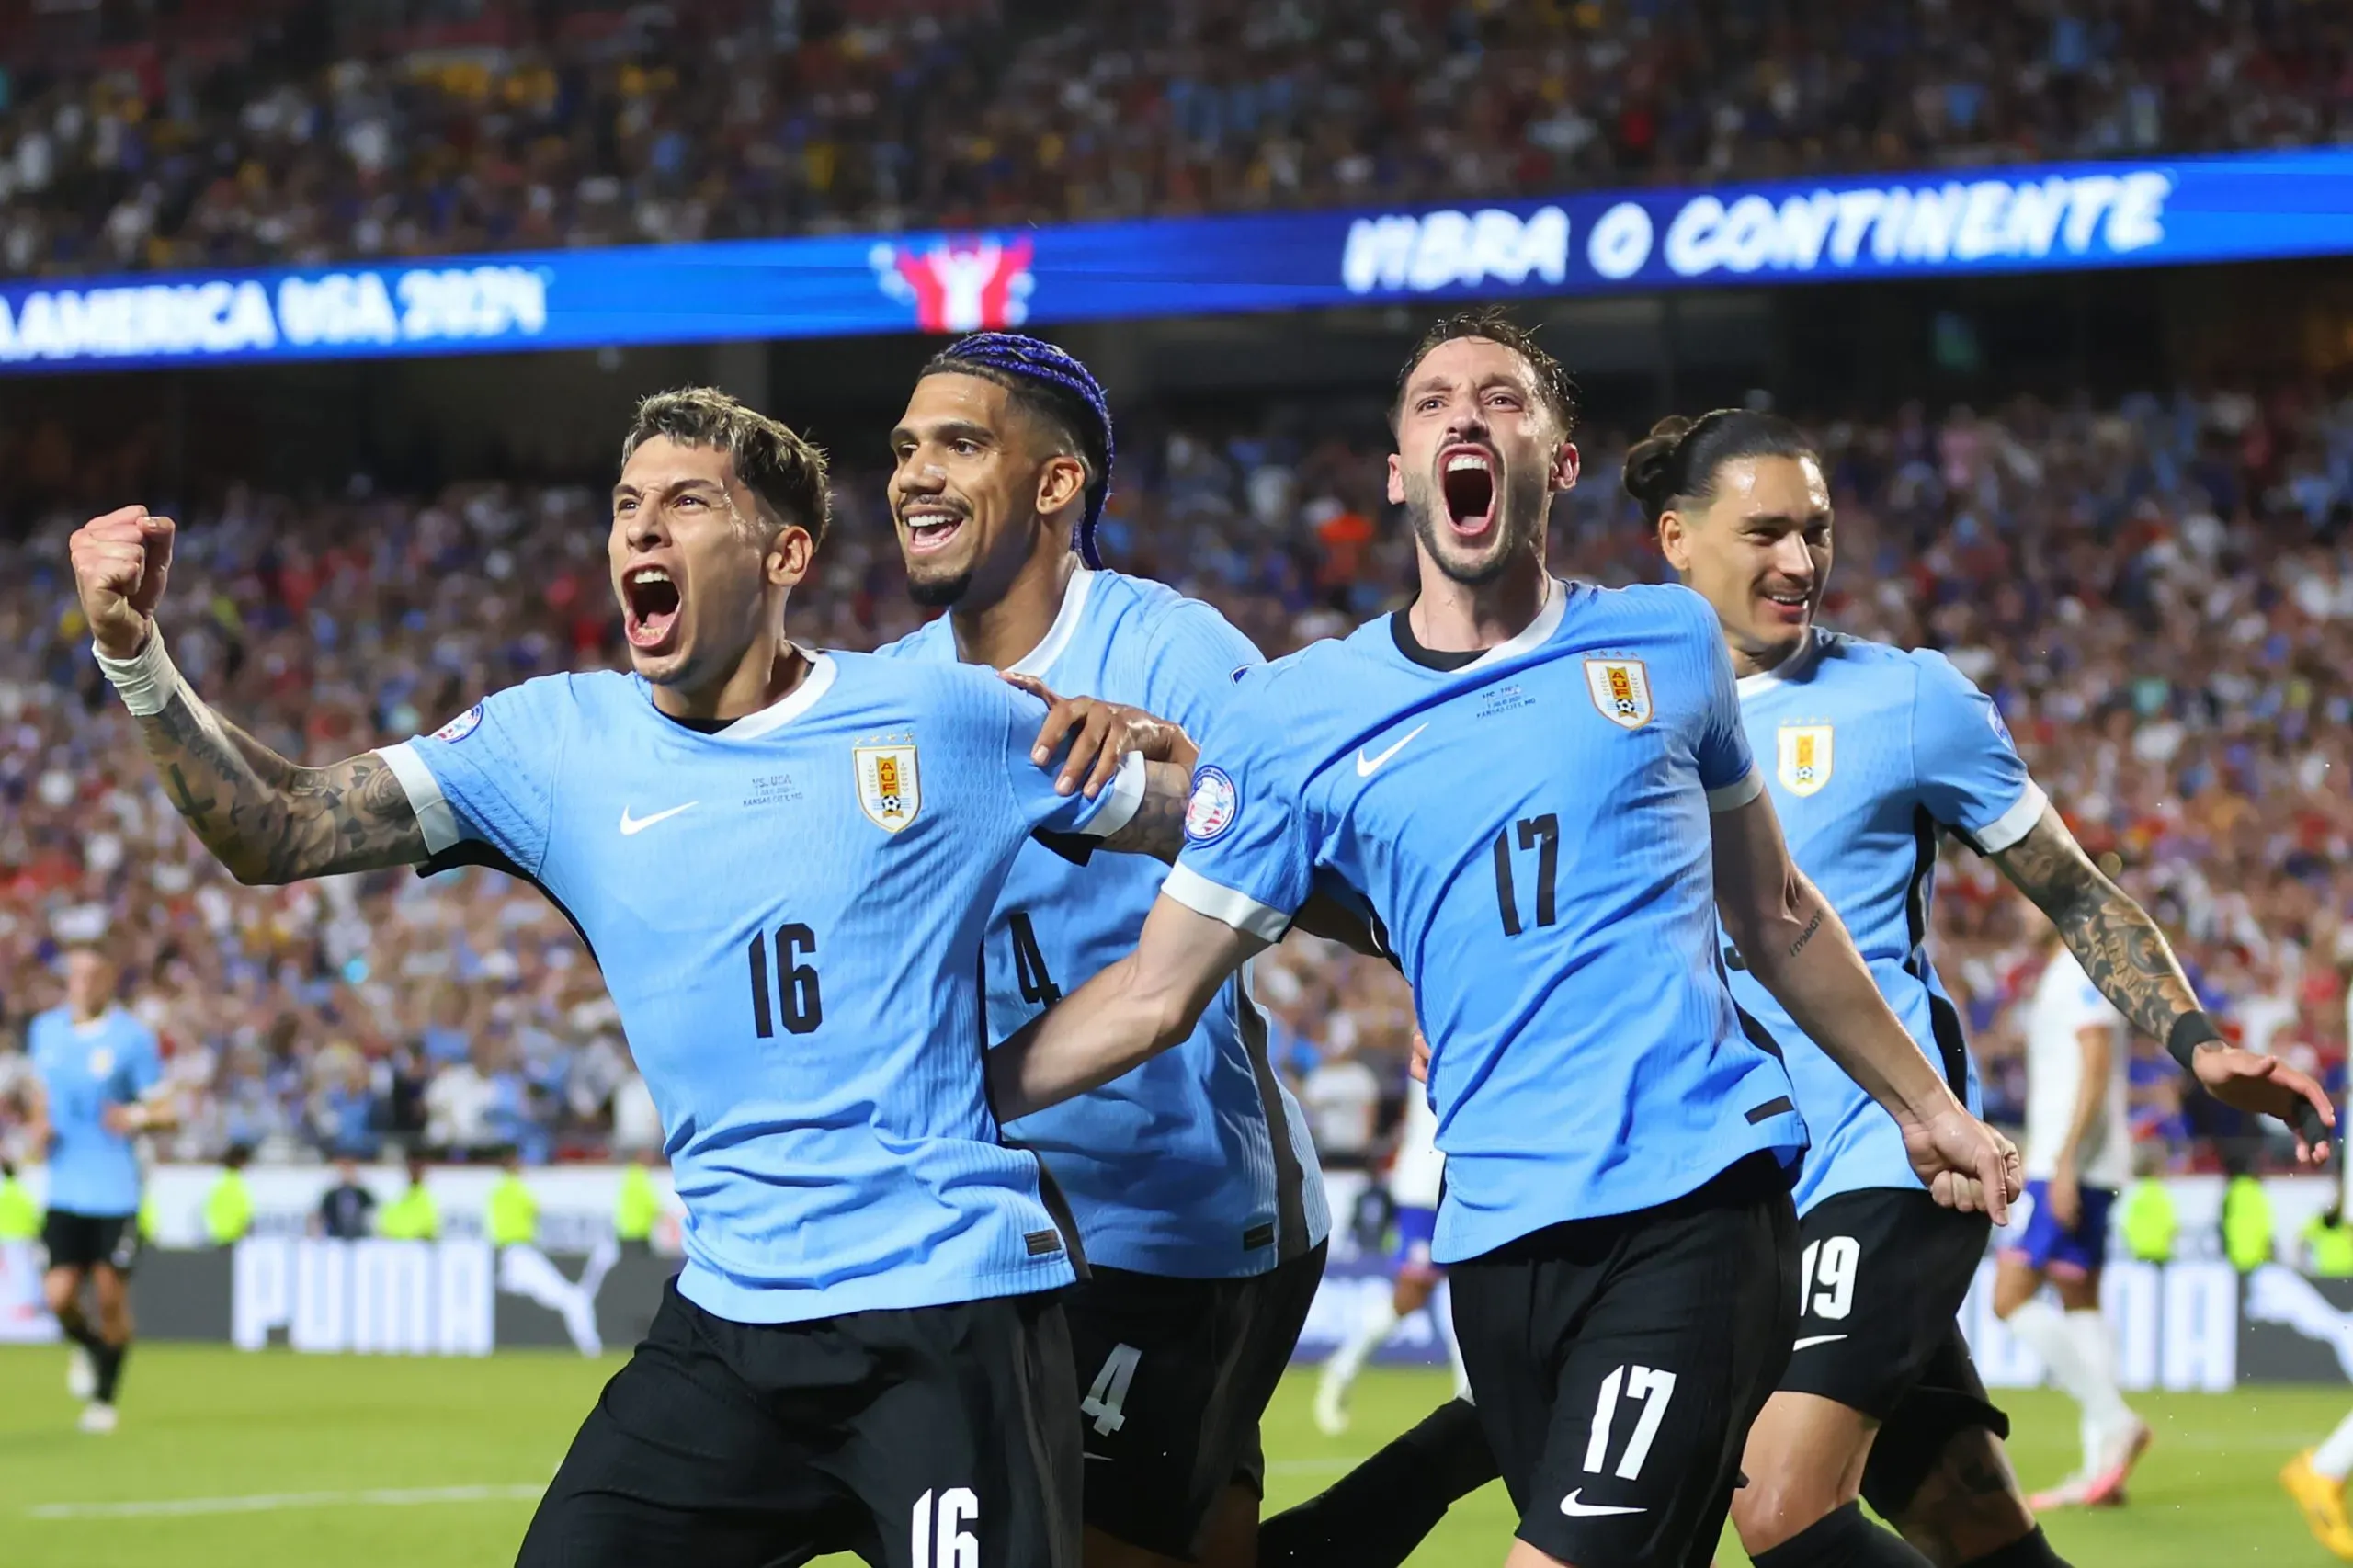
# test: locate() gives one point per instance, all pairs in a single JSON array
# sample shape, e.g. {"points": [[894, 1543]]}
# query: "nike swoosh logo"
{"points": [[1576, 1510], [1367, 769], [1811, 1340], [630, 826]]}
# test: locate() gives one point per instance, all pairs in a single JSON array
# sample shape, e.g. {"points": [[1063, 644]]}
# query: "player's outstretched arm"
{"points": [[264, 818], [1127, 1014], [1798, 948], [2128, 957]]}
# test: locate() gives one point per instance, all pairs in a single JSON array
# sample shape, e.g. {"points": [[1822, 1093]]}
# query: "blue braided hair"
{"points": [[1056, 386]]}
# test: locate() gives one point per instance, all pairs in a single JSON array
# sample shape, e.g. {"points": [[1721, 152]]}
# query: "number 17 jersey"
{"points": [[1531, 825], [788, 913]]}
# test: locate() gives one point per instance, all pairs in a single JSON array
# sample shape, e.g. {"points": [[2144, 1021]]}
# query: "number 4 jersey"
{"points": [[1531, 825], [788, 913], [1198, 1164]]}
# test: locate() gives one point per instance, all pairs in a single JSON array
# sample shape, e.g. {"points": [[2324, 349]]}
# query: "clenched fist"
{"points": [[120, 564]]}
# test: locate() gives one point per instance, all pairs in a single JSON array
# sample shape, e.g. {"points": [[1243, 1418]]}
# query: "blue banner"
{"points": [[2013, 219]]}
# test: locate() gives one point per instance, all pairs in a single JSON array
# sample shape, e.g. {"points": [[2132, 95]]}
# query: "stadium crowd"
{"points": [[231, 133], [2160, 594]]}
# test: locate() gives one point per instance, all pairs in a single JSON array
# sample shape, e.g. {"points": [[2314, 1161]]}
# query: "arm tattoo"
{"points": [[268, 820], [1806, 935], [2111, 936], [1158, 827]]}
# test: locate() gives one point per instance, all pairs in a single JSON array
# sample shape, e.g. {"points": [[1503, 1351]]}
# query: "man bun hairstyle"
{"points": [[1050, 384], [1680, 458], [774, 461], [1553, 382]]}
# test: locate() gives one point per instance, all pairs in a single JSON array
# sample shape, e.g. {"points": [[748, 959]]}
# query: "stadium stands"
{"points": [[2161, 593], [256, 130]]}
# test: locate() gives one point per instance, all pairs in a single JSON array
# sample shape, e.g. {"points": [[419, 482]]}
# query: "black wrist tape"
{"points": [[2188, 1033]]}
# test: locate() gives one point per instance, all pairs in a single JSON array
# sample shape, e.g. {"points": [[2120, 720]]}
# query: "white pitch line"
{"points": [[270, 1501]]}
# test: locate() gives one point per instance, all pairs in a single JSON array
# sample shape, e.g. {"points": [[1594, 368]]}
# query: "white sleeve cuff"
{"points": [[1737, 793], [434, 814], [2015, 824], [1120, 799], [1217, 901]]}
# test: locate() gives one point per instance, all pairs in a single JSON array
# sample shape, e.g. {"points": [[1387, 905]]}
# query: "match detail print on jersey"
{"points": [[890, 784], [1805, 753], [1621, 689]]}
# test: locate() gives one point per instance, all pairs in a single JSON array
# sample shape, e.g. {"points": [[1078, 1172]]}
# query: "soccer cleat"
{"points": [[2117, 1456], [1331, 1406], [97, 1420], [2068, 1493], [80, 1374], [2323, 1502]]}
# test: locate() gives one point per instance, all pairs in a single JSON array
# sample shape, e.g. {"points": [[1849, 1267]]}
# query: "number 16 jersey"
{"points": [[1531, 825], [788, 913]]}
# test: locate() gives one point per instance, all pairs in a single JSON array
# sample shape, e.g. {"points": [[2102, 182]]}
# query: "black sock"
{"points": [[1374, 1515], [1842, 1540], [77, 1329], [2032, 1550], [110, 1358]]}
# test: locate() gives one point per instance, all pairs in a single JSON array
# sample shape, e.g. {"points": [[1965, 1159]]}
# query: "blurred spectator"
{"points": [[347, 1211], [464, 1105]]}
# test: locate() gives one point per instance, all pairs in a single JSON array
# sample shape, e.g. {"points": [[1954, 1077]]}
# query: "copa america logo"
{"points": [[966, 284]]}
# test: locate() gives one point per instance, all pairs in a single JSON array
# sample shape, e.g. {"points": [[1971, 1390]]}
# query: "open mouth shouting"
{"points": [[1467, 482], [932, 526], [650, 603]]}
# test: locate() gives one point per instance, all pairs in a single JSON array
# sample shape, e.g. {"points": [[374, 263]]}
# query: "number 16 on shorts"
{"points": [[940, 1539]]}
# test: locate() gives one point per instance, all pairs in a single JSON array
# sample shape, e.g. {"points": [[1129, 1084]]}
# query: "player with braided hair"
{"points": [[1191, 1178]]}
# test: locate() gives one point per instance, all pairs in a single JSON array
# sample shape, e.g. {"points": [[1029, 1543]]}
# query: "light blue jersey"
{"points": [[1197, 1164], [1871, 753], [83, 1068], [1531, 829], [789, 912]]}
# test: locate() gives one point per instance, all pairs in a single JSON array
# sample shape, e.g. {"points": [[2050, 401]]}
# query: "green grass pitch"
{"points": [[258, 1461]]}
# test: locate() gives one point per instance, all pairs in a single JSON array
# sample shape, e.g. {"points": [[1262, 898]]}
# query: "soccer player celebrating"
{"points": [[98, 1084], [2078, 1157], [784, 862], [1544, 795], [1191, 1178], [1871, 754]]}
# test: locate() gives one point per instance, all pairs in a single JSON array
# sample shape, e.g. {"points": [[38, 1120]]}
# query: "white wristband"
{"points": [[147, 680]]}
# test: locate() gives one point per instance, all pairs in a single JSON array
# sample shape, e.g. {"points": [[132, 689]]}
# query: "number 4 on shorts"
{"points": [[1654, 1388], [956, 1547], [1110, 1388]]}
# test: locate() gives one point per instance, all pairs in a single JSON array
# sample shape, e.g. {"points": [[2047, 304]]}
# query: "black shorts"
{"points": [[1618, 1363], [91, 1241], [1883, 1278], [932, 1437], [1173, 1377]]}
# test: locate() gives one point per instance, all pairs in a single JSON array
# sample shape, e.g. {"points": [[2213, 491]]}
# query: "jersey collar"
{"points": [[1787, 669], [791, 706], [1535, 634], [1040, 659]]}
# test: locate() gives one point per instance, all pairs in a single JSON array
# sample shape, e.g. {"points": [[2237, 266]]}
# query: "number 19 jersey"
{"points": [[1531, 827], [789, 913], [1873, 753]]}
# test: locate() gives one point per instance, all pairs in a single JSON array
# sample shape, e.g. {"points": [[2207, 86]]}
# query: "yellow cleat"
{"points": [[2323, 1501]]}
